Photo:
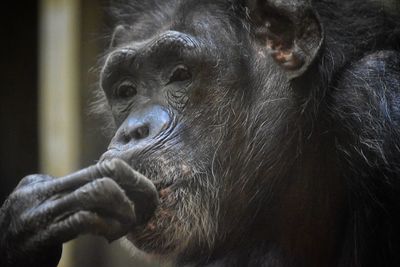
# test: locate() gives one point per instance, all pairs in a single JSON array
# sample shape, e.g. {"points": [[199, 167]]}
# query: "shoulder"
{"points": [[377, 72], [369, 88], [386, 63]]}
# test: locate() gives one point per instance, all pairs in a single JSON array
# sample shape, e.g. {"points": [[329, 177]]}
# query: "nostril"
{"points": [[143, 127], [140, 132]]}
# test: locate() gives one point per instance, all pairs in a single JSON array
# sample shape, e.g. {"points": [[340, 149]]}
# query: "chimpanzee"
{"points": [[247, 133]]}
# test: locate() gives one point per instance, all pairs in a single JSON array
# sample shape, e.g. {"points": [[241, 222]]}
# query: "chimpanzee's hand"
{"points": [[106, 199]]}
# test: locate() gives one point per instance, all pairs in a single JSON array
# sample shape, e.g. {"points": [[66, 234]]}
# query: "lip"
{"points": [[125, 155], [159, 182]]}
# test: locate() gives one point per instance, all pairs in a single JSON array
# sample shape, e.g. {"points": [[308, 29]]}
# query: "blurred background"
{"points": [[48, 72]]}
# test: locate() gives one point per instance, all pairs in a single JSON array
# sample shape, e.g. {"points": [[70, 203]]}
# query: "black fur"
{"points": [[279, 163], [336, 129]]}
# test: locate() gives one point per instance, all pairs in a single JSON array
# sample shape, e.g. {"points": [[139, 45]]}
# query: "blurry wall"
{"points": [[71, 42], [72, 38]]}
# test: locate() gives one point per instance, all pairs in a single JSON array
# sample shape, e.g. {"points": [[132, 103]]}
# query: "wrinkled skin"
{"points": [[44, 212], [268, 129]]}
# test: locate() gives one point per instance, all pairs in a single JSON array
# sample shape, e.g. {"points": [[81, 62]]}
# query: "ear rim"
{"points": [[117, 31], [307, 38]]}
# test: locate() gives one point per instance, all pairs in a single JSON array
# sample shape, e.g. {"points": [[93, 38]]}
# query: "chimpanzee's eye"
{"points": [[179, 74], [125, 90]]}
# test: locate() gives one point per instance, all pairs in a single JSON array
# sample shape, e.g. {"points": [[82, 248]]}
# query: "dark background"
{"points": [[18, 93]]}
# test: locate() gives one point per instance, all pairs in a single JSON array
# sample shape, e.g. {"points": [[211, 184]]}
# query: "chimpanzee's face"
{"points": [[184, 83]]}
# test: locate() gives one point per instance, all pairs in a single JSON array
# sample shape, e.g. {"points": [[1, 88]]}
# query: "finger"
{"points": [[48, 186], [74, 180], [84, 222], [81, 222], [77, 179], [33, 179], [137, 187], [102, 196], [116, 169]]}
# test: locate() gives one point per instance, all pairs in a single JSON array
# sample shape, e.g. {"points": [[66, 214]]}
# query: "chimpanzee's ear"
{"points": [[290, 30]]}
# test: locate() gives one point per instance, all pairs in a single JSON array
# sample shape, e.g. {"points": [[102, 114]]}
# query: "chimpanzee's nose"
{"points": [[142, 127]]}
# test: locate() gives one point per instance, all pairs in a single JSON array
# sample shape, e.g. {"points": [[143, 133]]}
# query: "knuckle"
{"points": [[111, 188], [24, 220], [25, 196], [33, 179], [15, 196], [117, 164], [17, 201], [13, 207], [84, 218], [99, 190], [79, 218], [83, 215], [106, 183], [20, 223]]}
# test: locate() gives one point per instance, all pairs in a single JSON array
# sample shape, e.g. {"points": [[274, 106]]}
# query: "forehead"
{"points": [[148, 17], [129, 8]]}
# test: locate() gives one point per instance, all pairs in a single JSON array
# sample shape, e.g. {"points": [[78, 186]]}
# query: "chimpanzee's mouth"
{"points": [[154, 174]]}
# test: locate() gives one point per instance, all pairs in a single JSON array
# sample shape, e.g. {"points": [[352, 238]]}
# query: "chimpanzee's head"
{"points": [[201, 96]]}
